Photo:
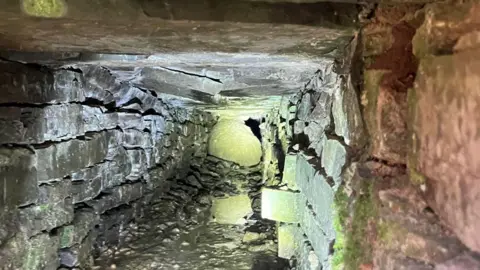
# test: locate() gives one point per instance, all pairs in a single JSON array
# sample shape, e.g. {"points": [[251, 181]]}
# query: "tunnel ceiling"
{"points": [[204, 52]]}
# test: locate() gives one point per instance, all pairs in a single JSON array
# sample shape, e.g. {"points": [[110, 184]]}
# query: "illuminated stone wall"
{"points": [[81, 156], [316, 128]]}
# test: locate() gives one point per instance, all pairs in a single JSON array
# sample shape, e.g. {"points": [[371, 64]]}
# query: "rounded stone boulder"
{"points": [[232, 140]]}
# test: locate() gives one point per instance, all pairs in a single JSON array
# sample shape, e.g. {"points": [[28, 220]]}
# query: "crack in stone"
{"points": [[193, 74]]}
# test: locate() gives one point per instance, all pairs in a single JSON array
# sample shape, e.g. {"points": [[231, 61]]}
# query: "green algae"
{"points": [[45, 8]]}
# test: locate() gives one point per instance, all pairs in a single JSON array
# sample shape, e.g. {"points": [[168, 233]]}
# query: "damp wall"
{"points": [[81, 156]]}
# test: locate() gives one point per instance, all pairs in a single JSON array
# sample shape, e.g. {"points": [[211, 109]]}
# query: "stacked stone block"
{"points": [[77, 148], [324, 130]]}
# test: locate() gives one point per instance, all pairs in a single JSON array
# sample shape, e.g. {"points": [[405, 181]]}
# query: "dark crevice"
{"points": [[254, 125], [387, 163], [193, 74]]}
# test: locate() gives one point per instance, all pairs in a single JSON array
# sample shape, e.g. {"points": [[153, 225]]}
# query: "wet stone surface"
{"points": [[173, 236]]}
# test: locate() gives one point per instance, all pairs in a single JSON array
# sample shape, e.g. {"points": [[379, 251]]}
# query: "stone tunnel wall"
{"points": [[318, 129], [421, 104], [81, 156], [389, 130]]}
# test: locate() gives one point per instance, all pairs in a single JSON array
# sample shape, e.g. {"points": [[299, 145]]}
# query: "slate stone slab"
{"points": [[116, 197], [61, 159], [334, 157], [318, 196], [133, 138], [97, 118], [138, 159], [83, 222], [280, 205], [26, 84], [44, 217], [18, 177], [86, 190], [21, 252], [289, 171], [78, 255], [347, 115], [55, 191], [37, 125]]}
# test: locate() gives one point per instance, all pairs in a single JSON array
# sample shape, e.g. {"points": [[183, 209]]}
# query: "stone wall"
{"points": [[318, 128], [444, 140], [419, 105], [81, 156]]}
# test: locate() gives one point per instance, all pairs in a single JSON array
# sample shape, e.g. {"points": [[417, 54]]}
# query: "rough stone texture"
{"points": [[465, 261], [347, 115], [387, 78], [286, 241], [37, 125], [18, 177], [44, 217], [78, 255], [21, 252], [408, 235], [388, 112], [174, 36], [83, 222], [61, 159], [334, 157], [67, 163], [442, 28], [444, 143], [30, 85], [117, 196], [290, 171]]}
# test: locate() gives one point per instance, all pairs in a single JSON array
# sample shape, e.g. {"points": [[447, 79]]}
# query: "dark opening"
{"points": [[254, 125], [280, 154]]}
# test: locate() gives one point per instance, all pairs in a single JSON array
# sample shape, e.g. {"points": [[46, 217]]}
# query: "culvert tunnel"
{"points": [[238, 135]]}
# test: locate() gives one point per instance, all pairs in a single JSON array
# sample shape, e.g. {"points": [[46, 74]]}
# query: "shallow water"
{"points": [[191, 244]]}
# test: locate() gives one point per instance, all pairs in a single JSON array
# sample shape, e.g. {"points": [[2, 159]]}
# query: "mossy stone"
{"points": [[45, 8]]}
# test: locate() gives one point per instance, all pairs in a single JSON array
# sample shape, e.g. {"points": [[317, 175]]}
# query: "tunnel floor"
{"points": [[167, 238]]}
